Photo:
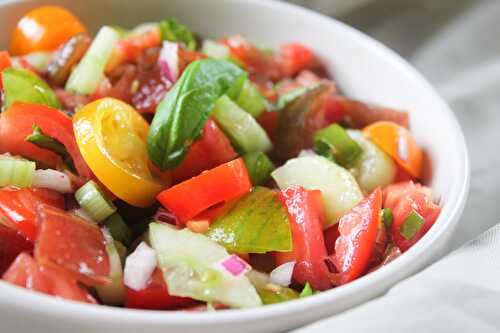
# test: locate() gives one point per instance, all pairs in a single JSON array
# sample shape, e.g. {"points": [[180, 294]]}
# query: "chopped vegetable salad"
{"points": [[149, 168]]}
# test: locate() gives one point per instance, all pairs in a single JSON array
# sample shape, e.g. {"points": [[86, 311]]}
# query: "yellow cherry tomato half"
{"points": [[44, 29], [398, 143], [112, 136]]}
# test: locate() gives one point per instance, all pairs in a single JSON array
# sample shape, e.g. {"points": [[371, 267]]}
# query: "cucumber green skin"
{"points": [[256, 223], [113, 294], [243, 130], [189, 264], [277, 296]]}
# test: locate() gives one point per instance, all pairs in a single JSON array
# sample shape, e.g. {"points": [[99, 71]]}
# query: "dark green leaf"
{"points": [[272, 294], [256, 223], [172, 30], [299, 121], [184, 110], [387, 217], [411, 225], [333, 141], [49, 143], [259, 167], [20, 85], [118, 229]]}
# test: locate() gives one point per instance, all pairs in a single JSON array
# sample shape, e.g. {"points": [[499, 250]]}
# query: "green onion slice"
{"points": [[259, 167], [411, 226], [333, 141], [94, 202], [387, 218], [16, 171]]}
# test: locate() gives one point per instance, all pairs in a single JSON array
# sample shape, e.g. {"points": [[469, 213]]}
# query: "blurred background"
{"points": [[455, 45]]}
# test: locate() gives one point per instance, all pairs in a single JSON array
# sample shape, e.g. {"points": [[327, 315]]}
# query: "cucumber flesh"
{"points": [[188, 261]]}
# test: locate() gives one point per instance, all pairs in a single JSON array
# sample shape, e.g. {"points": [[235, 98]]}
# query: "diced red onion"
{"points": [[282, 275], [53, 179], [139, 266], [169, 60], [165, 216], [234, 265]]}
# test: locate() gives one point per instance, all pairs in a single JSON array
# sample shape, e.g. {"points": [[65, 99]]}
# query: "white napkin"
{"points": [[460, 293]]}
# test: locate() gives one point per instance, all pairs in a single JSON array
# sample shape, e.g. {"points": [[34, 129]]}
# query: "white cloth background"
{"points": [[456, 45]]}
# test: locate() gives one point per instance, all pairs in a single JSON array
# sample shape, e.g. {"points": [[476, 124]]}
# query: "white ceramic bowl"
{"points": [[364, 69]]}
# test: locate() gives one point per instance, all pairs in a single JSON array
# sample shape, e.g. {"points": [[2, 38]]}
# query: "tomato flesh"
{"points": [[358, 233], [294, 58], [16, 124], [155, 296], [4, 63], [191, 197], [403, 198], [210, 150], [309, 251], [68, 243], [18, 207], [26, 272], [11, 244]]}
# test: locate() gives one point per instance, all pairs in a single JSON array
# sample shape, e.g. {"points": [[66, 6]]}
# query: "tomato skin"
{"points": [[331, 234], [191, 197], [269, 120], [11, 244], [26, 272], [4, 63], [111, 136], [155, 296], [307, 234], [70, 244], [44, 29], [358, 233], [295, 57], [18, 206], [16, 124], [402, 198], [210, 150]]}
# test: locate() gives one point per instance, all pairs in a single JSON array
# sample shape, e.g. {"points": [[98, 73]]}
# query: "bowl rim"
{"points": [[51, 306]]}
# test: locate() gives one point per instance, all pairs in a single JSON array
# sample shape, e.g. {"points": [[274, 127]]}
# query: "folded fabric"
{"points": [[460, 293]]}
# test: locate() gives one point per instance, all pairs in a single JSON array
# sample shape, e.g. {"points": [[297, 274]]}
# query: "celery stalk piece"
{"points": [[87, 75]]}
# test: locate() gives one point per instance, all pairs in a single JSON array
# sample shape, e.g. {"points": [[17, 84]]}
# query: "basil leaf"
{"points": [[46, 142], [20, 85], [174, 31], [256, 223], [182, 113]]}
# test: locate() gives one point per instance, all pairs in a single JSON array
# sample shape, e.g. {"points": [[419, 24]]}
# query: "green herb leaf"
{"points": [[333, 141], [20, 85], [118, 229], [174, 31], [49, 143], [387, 218], [298, 122], [272, 294], [256, 223], [182, 113], [307, 291], [411, 225], [259, 167]]}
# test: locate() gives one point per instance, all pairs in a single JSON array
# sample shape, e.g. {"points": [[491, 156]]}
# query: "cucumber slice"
{"points": [[188, 261], [240, 126], [251, 100], [215, 49], [338, 187], [373, 168], [113, 294]]}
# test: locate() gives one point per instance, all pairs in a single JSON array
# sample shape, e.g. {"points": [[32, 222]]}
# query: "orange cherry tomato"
{"points": [[44, 29], [399, 143]]}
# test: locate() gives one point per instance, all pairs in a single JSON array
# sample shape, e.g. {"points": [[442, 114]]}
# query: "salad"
{"points": [[148, 168]]}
